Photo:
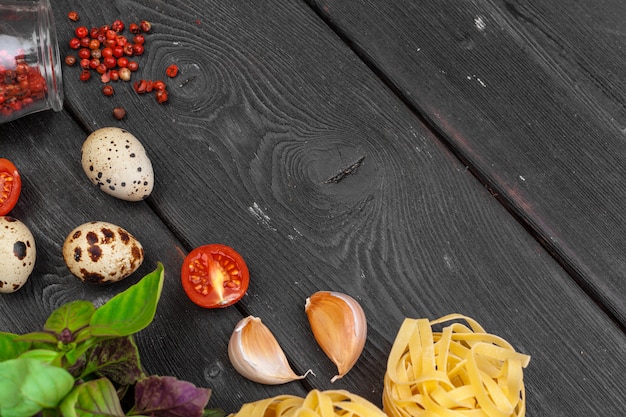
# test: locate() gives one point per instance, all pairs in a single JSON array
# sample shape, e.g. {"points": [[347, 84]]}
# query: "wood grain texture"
{"points": [[279, 141], [530, 95]]}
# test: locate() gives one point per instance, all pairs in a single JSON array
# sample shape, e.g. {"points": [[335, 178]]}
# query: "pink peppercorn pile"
{"points": [[107, 51], [21, 85], [113, 56]]}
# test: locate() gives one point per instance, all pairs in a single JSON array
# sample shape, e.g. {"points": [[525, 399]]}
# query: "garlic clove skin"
{"points": [[255, 353], [339, 326]]}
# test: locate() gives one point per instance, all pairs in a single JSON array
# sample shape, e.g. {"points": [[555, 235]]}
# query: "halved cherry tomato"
{"points": [[214, 276], [10, 186]]}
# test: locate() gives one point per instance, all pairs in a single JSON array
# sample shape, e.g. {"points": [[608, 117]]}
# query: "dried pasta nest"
{"points": [[461, 371], [337, 403]]}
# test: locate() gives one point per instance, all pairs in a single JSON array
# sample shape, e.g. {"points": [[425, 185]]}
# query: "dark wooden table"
{"points": [[491, 137]]}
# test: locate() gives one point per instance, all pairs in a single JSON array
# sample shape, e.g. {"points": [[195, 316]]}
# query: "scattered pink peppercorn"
{"points": [[172, 71], [125, 74], [119, 113], [81, 32], [117, 26], [161, 96], [108, 90], [74, 43], [145, 26]]}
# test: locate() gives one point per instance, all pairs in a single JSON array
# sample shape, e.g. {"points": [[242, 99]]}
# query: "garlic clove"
{"points": [[339, 326], [255, 354]]}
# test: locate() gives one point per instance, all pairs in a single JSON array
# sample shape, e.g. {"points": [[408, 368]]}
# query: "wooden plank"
{"points": [[270, 107], [529, 96]]}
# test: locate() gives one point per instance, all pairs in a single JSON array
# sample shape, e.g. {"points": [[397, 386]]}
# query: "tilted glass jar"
{"points": [[30, 66]]}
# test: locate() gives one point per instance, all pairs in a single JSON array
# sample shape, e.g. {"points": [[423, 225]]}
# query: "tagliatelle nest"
{"points": [[336, 403], [459, 372]]}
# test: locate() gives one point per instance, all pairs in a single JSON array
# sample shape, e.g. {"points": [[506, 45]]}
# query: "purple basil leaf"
{"points": [[168, 397], [77, 368], [116, 359]]}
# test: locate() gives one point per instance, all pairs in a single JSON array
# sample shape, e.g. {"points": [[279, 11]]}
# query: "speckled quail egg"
{"points": [[17, 254], [100, 252], [117, 162]]}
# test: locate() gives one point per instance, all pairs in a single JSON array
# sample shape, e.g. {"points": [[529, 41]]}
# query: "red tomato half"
{"points": [[214, 276], [10, 186]]}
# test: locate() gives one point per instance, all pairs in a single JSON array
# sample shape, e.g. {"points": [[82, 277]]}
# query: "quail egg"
{"points": [[17, 254], [117, 162], [100, 252]]}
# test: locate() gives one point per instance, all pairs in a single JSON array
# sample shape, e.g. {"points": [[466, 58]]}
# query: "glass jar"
{"points": [[30, 66]]}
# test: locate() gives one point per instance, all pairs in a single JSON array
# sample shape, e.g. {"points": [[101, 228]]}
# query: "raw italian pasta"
{"points": [[461, 371], [337, 403]]}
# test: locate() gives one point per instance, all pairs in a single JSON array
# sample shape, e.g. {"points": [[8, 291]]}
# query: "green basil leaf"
{"points": [[27, 386], [214, 412], [77, 351], [82, 335], [94, 398], [10, 348], [38, 337], [73, 316], [131, 310], [50, 357]]}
